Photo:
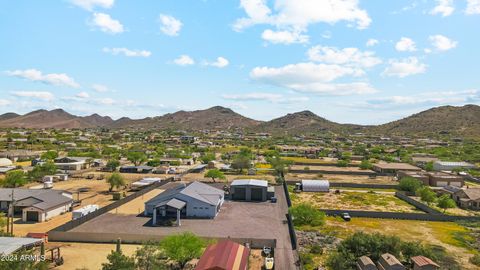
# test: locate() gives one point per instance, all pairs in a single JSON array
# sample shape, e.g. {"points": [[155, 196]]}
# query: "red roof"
{"points": [[423, 261], [224, 255]]}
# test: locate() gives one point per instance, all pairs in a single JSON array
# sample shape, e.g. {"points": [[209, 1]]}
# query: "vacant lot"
{"points": [[449, 235], [359, 179], [457, 211], [229, 177], [354, 200]]}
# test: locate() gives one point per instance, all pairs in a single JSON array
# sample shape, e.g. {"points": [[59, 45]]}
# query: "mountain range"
{"points": [[464, 120]]}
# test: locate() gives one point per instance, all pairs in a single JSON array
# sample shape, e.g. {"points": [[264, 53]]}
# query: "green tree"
{"points": [[279, 165], [342, 163], [150, 257], [426, 194], [366, 165], [409, 184], [445, 202], [154, 162], [207, 157], [112, 164], [115, 181], [40, 171], [306, 214], [136, 157], [15, 178], [429, 166], [182, 247], [241, 162], [215, 174], [118, 261], [49, 155]]}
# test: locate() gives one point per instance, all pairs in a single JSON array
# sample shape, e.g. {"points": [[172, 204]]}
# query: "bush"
{"points": [[306, 214], [316, 249], [475, 260], [342, 163], [409, 184]]}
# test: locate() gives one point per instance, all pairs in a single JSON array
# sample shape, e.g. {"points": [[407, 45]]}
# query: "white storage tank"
{"points": [[315, 185]]}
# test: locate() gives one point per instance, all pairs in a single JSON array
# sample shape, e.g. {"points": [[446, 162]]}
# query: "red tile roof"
{"points": [[423, 261], [224, 255]]}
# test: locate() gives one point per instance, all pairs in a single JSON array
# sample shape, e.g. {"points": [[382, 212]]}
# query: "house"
{"points": [[136, 169], [389, 262], [450, 166], [249, 190], [434, 179], [423, 263], [393, 168], [315, 185], [468, 198], [72, 163], [365, 263], [224, 255], [36, 204], [420, 176], [197, 200]]}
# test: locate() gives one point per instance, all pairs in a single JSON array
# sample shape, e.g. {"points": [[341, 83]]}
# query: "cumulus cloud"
{"points": [[82, 95], [442, 43], [91, 4], [404, 67], [127, 52], [371, 42], [220, 62], [270, 97], [299, 14], [105, 101], [100, 88], [169, 25], [405, 45], [57, 79], [106, 23], [41, 95], [443, 7], [346, 56], [284, 37], [473, 7], [184, 60]]}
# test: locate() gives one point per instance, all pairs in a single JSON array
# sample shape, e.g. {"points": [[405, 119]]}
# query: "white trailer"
{"points": [[144, 182], [84, 211]]}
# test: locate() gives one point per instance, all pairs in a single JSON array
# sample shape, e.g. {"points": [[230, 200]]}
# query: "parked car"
{"points": [[273, 199], [346, 216]]}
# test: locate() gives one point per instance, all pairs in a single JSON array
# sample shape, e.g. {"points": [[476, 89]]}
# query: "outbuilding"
{"points": [[249, 190], [224, 255], [315, 185], [5, 162]]}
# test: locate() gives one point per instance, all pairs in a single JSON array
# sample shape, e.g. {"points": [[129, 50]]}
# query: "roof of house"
{"points": [[8, 245], [226, 255], [389, 260], [250, 182], [43, 199], [471, 193], [423, 261], [196, 190], [365, 261]]}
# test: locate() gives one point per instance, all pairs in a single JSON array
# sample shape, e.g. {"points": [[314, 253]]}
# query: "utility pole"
{"points": [[12, 212]]}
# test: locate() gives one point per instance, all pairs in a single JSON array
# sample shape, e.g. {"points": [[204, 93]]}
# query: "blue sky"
{"points": [[349, 61]]}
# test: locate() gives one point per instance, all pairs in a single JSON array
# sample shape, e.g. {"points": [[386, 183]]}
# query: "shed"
{"points": [[224, 255], [315, 185], [4, 162], [249, 190], [423, 263], [365, 263], [389, 262]]}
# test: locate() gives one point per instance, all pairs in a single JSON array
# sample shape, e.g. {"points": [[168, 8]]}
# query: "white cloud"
{"points": [[473, 7], [184, 60], [443, 7], [100, 88], [371, 42], [404, 67], [299, 14], [4, 102], [335, 89], [284, 37], [442, 43], [128, 52], [346, 56], [169, 25], [270, 97], [82, 95], [46, 96], [91, 4], [105, 101], [405, 45], [57, 79], [106, 23], [221, 62]]}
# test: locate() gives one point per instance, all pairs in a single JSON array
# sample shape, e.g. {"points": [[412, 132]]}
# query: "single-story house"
{"points": [[72, 163], [451, 165], [434, 179], [389, 262], [136, 169], [423, 263], [468, 198], [365, 263], [224, 255], [36, 204], [249, 190], [393, 168], [196, 200]]}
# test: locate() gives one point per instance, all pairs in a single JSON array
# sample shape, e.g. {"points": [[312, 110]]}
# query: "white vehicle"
{"points": [[47, 184], [84, 211]]}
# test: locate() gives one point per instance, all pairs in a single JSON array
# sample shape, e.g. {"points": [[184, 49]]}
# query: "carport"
{"points": [[170, 208]]}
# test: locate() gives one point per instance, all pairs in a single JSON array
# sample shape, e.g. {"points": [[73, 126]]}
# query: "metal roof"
{"points": [[8, 245], [250, 182], [224, 255], [44, 199], [196, 190]]}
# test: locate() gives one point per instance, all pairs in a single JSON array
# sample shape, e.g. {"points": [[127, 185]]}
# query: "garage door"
{"points": [[239, 193], [32, 216], [257, 194]]}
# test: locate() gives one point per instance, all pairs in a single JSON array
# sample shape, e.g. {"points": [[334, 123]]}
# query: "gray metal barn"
{"points": [[249, 190]]}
